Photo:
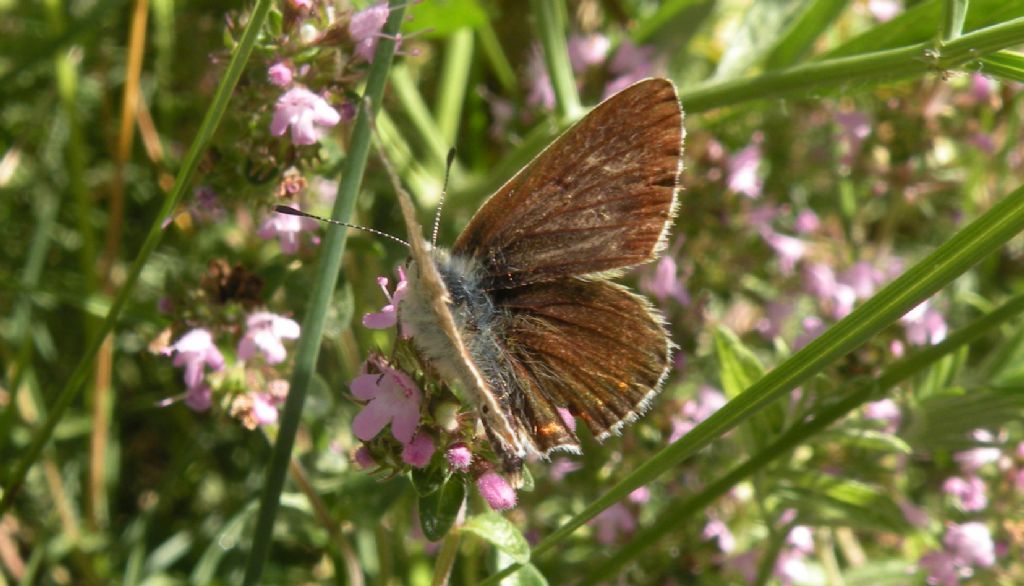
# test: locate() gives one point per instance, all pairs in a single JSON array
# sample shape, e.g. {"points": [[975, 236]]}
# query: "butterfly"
{"points": [[521, 313]]}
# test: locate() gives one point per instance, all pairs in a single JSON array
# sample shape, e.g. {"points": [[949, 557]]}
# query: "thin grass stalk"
{"points": [[321, 296], [677, 513], [458, 59], [868, 68], [415, 108], [977, 240], [85, 364], [549, 18]]}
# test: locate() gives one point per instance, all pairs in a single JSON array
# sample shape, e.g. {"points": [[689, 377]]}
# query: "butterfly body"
{"points": [[520, 313]]}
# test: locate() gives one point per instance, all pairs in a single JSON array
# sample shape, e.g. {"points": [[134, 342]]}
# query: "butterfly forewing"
{"points": [[598, 199]]}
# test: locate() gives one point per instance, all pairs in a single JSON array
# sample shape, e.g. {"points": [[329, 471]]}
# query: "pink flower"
{"points": [[387, 317], [363, 458], [280, 74], [264, 409], [459, 457], [924, 325], [886, 411], [666, 282], [365, 29], [969, 492], [971, 544], [856, 127], [863, 278], [884, 10], [807, 222], [941, 568], [791, 567], [562, 467], [199, 398], [304, 112], [914, 515], [743, 171], [264, 332], [587, 50], [498, 493], [819, 280], [788, 249], [801, 538], [973, 459], [707, 400], [417, 452], [302, 5], [612, 522], [982, 88], [813, 327], [640, 495], [287, 228], [718, 530], [205, 205], [194, 350], [392, 397]]}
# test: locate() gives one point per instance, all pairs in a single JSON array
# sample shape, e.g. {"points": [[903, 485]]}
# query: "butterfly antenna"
{"points": [[440, 202], [294, 212]]}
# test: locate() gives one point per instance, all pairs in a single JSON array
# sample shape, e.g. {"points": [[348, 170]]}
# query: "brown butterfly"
{"points": [[520, 312]]}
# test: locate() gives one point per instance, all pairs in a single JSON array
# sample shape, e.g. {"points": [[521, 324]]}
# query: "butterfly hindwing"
{"points": [[591, 346], [597, 200]]}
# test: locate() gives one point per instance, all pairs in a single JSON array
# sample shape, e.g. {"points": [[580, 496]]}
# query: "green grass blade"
{"points": [[549, 17], [495, 54], [323, 292], [663, 17], [979, 239], [805, 29], [954, 15], [415, 108], [1004, 64], [153, 237], [458, 59], [676, 513], [869, 68]]}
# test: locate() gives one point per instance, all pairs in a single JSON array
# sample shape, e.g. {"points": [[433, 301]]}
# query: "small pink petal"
{"points": [[417, 452]]}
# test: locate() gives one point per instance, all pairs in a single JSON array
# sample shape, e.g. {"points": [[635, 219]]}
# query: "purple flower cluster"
{"points": [[196, 350]]}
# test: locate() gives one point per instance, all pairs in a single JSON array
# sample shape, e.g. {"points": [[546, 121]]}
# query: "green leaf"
{"points": [[439, 509], [527, 575], [738, 367], [865, 439], [1005, 64], [738, 370], [501, 533], [429, 479], [439, 18], [803, 31], [828, 500]]}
